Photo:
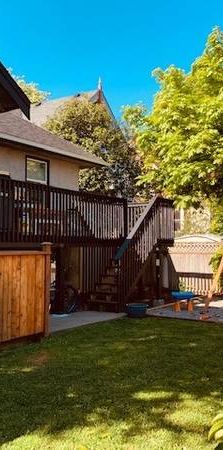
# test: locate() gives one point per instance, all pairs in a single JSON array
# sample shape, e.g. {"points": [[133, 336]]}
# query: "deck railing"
{"points": [[134, 212], [32, 212]]}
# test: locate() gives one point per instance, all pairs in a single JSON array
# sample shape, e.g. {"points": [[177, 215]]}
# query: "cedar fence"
{"points": [[24, 293], [191, 262]]}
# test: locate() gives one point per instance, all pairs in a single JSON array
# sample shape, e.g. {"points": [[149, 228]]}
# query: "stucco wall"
{"points": [[63, 174]]}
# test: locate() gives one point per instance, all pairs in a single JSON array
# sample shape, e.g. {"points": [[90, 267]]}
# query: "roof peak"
{"points": [[100, 84]]}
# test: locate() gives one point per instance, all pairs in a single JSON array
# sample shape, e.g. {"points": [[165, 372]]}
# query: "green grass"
{"points": [[127, 384]]}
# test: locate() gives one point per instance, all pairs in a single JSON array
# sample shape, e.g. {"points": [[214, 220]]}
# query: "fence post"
{"points": [[158, 271], [125, 216], [46, 246]]}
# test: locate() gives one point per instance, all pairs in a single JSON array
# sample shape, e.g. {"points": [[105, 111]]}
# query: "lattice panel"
{"points": [[194, 248]]}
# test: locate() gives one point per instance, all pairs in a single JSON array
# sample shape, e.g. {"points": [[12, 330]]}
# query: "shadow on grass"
{"points": [[136, 372]]}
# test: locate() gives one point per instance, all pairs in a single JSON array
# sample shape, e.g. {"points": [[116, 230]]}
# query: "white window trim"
{"points": [[46, 170]]}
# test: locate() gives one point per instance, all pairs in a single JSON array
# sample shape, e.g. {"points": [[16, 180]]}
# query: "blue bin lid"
{"points": [[182, 295]]}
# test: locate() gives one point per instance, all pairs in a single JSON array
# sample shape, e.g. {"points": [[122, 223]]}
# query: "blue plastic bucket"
{"points": [[136, 309]]}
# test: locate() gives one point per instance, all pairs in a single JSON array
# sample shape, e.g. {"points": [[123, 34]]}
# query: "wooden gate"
{"points": [[24, 293]]}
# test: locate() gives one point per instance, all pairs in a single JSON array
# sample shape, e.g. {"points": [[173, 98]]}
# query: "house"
{"points": [[94, 247], [47, 109]]}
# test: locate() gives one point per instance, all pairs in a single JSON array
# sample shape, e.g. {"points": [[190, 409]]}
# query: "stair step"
{"points": [[97, 300], [113, 263], [100, 305], [106, 287], [105, 296], [109, 279], [109, 276], [112, 269]]}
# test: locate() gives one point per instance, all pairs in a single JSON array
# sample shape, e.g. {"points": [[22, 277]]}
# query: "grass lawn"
{"points": [[125, 384]]}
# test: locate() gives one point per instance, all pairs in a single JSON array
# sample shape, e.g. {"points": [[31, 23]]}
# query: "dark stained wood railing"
{"points": [[136, 209], [32, 212], [154, 227], [134, 212]]}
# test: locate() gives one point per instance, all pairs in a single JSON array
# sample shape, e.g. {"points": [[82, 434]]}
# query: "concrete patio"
{"points": [[215, 312], [78, 319]]}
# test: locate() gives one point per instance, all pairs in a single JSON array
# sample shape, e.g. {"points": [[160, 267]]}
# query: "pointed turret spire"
{"points": [[99, 84]]}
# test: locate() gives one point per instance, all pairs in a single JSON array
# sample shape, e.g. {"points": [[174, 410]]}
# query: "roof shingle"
{"points": [[39, 114], [16, 129]]}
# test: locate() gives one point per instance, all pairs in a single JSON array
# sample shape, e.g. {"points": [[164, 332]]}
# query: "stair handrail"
{"points": [[140, 220], [153, 228]]}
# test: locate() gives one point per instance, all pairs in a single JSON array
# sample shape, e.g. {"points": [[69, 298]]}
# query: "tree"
{"points": [[90, 125], [181, 139], [32, 90], [196, 221]]}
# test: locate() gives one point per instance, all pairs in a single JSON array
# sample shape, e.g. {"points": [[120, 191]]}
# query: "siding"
{"points": [[63, 174]]}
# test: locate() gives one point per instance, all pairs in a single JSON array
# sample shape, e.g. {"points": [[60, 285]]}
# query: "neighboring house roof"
{"points": [[11, 95], [15, 129], [46, 110]]}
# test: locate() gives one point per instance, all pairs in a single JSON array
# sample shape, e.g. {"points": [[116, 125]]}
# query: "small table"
{"points": [[179, 296]]}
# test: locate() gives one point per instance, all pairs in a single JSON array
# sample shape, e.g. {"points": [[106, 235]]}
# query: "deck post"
{"points": [[59, 305], [46, 247]]}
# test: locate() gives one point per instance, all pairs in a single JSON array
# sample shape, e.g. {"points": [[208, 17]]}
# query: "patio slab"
{"points": [[78, 319], [215, 312]]}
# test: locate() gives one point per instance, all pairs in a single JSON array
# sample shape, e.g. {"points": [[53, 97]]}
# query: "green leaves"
{"points": [[181, 139], [91, 126], [32, 90]]}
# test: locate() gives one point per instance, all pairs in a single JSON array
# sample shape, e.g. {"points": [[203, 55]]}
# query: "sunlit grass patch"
{"points": [[128, 384]]}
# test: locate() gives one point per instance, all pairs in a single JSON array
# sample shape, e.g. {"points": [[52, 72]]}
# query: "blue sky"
{"points": [[66, 45]]}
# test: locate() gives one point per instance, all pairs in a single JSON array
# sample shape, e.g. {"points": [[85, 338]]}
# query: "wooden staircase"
{"points": [[153, 228], [105, 295]]}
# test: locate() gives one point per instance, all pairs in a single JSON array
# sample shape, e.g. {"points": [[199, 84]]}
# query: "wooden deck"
{"points": [[32, 212]]}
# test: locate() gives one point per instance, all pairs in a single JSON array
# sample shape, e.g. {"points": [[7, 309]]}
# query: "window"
{"points": [[36, 170]]}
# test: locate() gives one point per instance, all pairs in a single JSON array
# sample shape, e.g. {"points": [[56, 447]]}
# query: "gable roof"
{"points": [[15, 129], [11, 95], [46, 110]]}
